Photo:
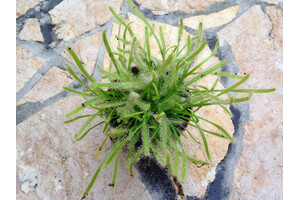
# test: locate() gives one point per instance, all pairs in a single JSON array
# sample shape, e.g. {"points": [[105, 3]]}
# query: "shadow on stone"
{"points": [[155, 179]]}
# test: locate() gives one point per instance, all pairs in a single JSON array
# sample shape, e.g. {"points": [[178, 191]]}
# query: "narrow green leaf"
{"points": [[122, 40], [76, 77], [228, 75], [84, 105], [215, 84], [234, 85], [179, 35], [77, 92], [254, 90], [202, 74], [199, 162], [219, 127], [97, 173], [175, 163], [162, 41], [163, 132], [101, 146], [85, 125], [110, 53], [124, 85], [166, 63], [135, 157], [86, 132], [199, 35], [113, 104], [204, 141], [145, 139], [74, 119], [115, 172], [79, 64], [189, 45], [196, 52], [168, 161], [131, 54], [131, 145], [147, 45], [140, 61], [117, 149], [131, 171], [147, 23], [110, 74]]}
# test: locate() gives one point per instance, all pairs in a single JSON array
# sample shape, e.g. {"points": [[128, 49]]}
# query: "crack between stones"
{"points": [[220, 188], [30, 108], [264, 9]]}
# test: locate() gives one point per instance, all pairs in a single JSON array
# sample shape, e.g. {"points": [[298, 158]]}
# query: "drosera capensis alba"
{"points": [[147, 102]]}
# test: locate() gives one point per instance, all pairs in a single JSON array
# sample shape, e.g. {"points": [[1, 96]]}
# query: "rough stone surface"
{"points": [[87, 50], [274, 1], [31, 31], [162, 7], [22, 6], [27, 66], [73, 18], [212, 20], [258, 174], [52, 165], [51, 83]]}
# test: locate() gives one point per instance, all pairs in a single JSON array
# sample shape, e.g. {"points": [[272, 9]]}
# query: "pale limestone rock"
{"points": [[27, 66], [52, 165], [274, 1], [212, 20], [32, 31], [22, 6], [87, 50], [258, 174], [162, 7], [51, 84], [75, 17], [198, 178]]}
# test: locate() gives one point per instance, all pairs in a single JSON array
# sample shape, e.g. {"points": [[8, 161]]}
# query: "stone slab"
{"points": [[72, 18], [256, 41], [31, 31], [52, 165], [27, 66]]}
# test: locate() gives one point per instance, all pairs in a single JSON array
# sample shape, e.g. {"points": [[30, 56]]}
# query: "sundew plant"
{"points": [[147, 102]]}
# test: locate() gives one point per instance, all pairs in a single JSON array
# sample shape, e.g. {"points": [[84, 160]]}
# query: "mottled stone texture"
{"points": [[256, 41], [212, 20], [31, 31], [27, 66], [23, 5], [162, 7], [51, 83], [52, 165], [73, 18]]}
